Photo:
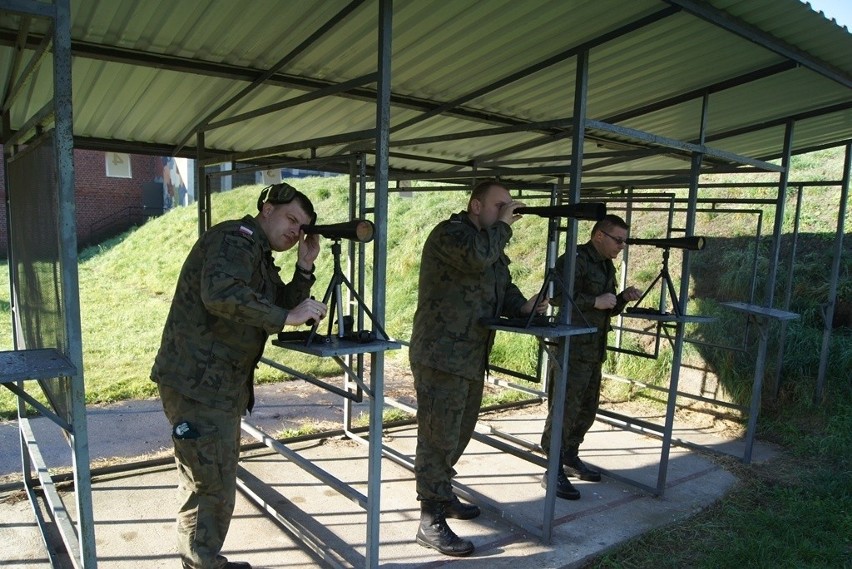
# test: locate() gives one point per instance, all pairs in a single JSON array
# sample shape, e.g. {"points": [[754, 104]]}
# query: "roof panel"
{"points": [[148, 72]]}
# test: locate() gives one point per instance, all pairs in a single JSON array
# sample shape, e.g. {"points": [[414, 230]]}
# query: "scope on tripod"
{"points": [[694, 243], [360, 230], [588, 210]]}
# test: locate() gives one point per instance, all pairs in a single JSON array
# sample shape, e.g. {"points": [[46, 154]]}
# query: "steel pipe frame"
{"points": [[819, 391], [372, 501], [775, 387], [208, 208], [431, 108], [673, 392], [754, 408], [694, 185], [79, 540], [761, 319]]}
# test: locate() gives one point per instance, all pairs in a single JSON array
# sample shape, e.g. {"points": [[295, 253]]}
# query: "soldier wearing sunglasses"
{"points": [[595, 298]]}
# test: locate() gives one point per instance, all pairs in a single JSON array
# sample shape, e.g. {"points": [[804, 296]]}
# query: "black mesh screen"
{"points": [[35, 258]]}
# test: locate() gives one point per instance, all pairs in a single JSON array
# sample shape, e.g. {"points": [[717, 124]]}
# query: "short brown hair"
{"points": [[480, 189], [285, 193], [607, 222]]}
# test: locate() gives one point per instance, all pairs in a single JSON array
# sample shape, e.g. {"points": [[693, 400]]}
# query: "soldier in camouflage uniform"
{"points": [[229, 299], [464, 276], [594, 296]]}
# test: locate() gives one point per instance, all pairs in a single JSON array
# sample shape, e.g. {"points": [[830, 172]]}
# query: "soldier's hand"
{"points": [[309, 249], [531, 305], [308, 309], [631, 293], [507, 212], [605, 301]]}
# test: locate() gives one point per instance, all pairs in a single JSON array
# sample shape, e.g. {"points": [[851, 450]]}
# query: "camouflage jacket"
{"points": [[593, 276], [464, 276], [228, 299]]}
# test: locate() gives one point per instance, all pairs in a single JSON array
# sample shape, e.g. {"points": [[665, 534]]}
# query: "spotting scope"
{"points": [[360, 230], [694, 243], [588, 210]]}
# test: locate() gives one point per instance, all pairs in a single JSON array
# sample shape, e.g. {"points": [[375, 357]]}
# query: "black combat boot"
{"points": [[576, 468], [460, 511], [435, 533], [564, 488]]}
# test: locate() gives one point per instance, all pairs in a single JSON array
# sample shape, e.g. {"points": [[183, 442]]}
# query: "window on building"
{"points": [[118, 165]]}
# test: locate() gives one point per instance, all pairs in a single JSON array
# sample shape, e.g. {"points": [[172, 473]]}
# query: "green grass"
{"points": [[794, 512]]}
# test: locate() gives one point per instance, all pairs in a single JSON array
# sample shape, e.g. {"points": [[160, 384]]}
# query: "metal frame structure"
{"points": [[589, 172], [47, 362]]}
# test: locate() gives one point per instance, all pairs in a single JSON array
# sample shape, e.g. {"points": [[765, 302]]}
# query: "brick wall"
{"points": [[100, 199]]}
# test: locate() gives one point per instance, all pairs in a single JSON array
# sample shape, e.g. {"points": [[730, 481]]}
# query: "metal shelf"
{"points": [[42, 363], [557, 331], [337, 346], [758, 310], [686, 318]]}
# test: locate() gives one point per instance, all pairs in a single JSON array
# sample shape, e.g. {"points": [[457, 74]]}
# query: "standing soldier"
{"points": [[596, 301], [464, 276], [229, 299]]}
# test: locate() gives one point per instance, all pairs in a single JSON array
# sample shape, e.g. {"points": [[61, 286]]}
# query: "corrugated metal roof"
{"points": [[145, 73]]}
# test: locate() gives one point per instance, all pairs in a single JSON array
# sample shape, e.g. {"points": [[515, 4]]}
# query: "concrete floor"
{"points": [[134, 510]]}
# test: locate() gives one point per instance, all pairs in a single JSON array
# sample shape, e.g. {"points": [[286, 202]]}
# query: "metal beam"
{"points": [[549, 62], [717, 87], [12, 72], [289, 147], [29, 8], [680, 145], [798, 117], [258, 81], [757, 36], [380, 254], [837, 255], [294, 101], [35, 61], [521, 127]]}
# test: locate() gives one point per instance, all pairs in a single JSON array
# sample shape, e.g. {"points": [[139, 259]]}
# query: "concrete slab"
{"points": [[134, 511]]}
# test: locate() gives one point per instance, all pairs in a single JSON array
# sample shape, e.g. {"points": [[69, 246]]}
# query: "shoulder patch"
{"points": [[245, 231]]}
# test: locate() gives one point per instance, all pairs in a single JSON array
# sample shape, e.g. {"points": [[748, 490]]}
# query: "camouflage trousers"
{"points": [[582, 395], [447, 411], [206, 457]]}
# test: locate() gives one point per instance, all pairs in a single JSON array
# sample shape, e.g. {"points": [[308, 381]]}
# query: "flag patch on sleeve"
{"points": [[246, 231]]}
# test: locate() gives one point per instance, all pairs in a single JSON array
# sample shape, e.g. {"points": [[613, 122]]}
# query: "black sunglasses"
{"points": [[618, 240]]}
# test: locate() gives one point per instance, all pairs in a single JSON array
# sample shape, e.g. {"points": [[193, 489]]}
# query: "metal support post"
{"points": [[819, 392], [557, 404], [70, 286], [380, 251]]}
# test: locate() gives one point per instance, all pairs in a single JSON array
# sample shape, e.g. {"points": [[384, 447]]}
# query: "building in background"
{"points": [[114, 192]]}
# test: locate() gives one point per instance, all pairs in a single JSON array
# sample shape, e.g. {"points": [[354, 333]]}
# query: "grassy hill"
{"points": [[126, 284], [796, 512]]}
